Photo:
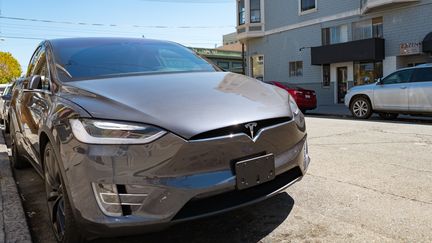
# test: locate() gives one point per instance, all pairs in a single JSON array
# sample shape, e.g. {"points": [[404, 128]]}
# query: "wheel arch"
{"points": [[361, 95]]}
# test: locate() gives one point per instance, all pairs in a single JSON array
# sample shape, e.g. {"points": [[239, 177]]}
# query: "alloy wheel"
{"points": [[55, 195], [360, 108]]}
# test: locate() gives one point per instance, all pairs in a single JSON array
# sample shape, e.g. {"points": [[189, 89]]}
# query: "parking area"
{"points": [[368, 181]]}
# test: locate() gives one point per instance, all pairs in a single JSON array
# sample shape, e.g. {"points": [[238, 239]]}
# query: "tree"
{"points": [[10, 69]]}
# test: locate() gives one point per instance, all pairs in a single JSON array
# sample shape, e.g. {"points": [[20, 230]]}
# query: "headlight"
{"points": [[112, 132], [293, 105], [297, 114]]}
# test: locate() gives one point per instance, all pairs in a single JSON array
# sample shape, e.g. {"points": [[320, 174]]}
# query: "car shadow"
{"points": [[249, 224]]}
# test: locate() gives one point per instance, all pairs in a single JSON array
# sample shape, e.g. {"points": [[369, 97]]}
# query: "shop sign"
{"points": [[410, 48]]}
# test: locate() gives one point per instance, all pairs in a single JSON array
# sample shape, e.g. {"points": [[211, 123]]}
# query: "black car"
{"points": [[133, 135]]}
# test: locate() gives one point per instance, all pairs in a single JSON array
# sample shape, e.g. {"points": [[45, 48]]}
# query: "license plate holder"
{"points": [[255, 171]]}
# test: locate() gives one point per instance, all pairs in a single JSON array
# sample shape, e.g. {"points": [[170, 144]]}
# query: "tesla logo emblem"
{"points": [[251, 127]]}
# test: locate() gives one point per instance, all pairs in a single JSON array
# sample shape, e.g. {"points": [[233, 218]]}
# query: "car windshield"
{"points": [[86, 60]]}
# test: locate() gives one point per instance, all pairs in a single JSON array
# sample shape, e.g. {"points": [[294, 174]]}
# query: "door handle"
{"points": [[403, 87]]}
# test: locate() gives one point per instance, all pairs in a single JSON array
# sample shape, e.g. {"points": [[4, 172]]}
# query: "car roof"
{"points": [[59, 43]]}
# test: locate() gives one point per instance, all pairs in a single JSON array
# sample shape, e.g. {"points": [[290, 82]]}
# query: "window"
{"points": [[367, 72], [403, 76], [377, 28], [122, 57], [334, 35], [307, 5], [223, 65], [423, 75], [296, 69], [366, 29], [258, 67], [33, 60], [255, 11], [326, 75], [241, 12]]}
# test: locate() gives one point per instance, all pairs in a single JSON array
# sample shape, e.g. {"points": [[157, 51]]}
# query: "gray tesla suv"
{"points": [[132, 135]]}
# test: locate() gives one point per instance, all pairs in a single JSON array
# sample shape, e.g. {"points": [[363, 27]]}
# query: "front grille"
{"points": [[202, 206], [240, 128]]}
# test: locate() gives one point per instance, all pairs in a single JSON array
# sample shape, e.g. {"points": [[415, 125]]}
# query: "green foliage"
{"points": [[10, 69]]}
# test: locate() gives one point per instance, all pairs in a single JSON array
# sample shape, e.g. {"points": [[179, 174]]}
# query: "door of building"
{"points": [[342, 83]]}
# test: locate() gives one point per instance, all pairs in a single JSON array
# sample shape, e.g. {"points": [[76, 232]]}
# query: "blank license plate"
{"points": [[255, 171], [307, 96]]}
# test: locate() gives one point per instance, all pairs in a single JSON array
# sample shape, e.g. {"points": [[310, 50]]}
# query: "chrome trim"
{"points": [[242, 134], [119, 195]]}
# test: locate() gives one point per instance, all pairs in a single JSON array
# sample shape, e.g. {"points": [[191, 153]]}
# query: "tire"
{"points": [[388, 116], [60, 211], [361, 108], [17, 161]]}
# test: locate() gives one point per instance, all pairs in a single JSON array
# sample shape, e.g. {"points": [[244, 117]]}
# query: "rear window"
{"points": [[94, 59], [423, 75]]}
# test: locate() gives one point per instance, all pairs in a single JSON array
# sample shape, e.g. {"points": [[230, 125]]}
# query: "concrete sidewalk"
{"points": [[13, 224]]}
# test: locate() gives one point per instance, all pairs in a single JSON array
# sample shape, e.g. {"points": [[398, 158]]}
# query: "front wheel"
{"points": [[60, 211], [17, 161], [361, 108]]}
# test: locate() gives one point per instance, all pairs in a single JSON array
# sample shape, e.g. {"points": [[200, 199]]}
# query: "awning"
{"points": [[427, 43]]}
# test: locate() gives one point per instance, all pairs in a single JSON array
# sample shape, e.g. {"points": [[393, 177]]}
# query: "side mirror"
{"points": [[35, 82], [378, 82]]}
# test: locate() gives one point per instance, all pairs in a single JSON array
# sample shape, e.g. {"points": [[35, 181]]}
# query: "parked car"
{"points": [[3, 87], [4, 102], [406, 91], [306, 99], [133, 135]]}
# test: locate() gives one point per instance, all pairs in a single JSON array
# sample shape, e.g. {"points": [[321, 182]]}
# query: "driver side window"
{"points": [[403, 76]]}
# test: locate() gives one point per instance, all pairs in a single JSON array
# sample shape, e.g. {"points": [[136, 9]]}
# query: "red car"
{"points": [[306, 99]]}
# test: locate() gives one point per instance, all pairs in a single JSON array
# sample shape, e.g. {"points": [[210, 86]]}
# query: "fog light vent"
{"points": [[113, 201]]}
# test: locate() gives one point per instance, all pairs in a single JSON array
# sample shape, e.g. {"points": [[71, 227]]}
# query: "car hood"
{"points": [[184, 103], [363, 87]]}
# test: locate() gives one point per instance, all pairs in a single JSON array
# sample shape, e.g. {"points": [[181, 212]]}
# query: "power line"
{"points": [[113, 25], [40, 38]]}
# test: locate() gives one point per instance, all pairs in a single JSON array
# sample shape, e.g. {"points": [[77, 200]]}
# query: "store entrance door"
{"points": [[342, 83]]}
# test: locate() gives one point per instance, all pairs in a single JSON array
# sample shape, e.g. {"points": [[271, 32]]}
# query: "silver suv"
{"points": [[406, 91]]}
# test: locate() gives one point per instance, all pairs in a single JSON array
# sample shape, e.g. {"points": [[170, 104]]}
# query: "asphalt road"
{"points": [[368, 181]]}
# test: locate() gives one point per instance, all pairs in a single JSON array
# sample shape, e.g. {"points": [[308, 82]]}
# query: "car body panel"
{"points": [[391, 97], [174, 171], [221, 99]]}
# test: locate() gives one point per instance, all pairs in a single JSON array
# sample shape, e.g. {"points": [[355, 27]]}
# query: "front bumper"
{"points": [[182, 179]]}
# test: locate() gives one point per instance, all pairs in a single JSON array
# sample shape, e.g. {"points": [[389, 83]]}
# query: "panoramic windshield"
{"points": [[91, 60]]}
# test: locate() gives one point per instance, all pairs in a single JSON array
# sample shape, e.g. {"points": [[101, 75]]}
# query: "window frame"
{"points": [[241, 13], [252, 9], [297, 72], [414, 75], [312, 10], [397, 72], [329, 76]]}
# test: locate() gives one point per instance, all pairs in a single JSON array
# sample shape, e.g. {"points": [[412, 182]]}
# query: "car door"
{"points": [[391, 94], [34, 106], [420, 90]]}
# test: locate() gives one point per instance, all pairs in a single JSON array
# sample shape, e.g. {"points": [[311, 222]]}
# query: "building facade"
{"points": [[332, 45]]}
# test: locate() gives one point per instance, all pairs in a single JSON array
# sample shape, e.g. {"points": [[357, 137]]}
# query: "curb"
{"points": [[13, 223]]}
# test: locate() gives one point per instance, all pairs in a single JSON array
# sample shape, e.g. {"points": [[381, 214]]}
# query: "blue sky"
{"points": [[174, 20]]}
